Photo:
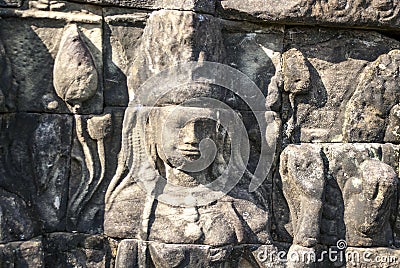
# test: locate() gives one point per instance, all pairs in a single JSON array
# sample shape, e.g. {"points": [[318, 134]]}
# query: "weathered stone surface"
{"points": [[298, 257], [372, 257], [370, 203], [94, 162], [296, 79], [7, 92], [171, 38], [207, 6], [254, 54], [256, 51], [342, 64], [32, 55], [296, 76], [75, 75], [261, 155], [196, 177], [392, 131], [62, 9], [349, 13], [16, 220], [242, 215], [76, 250], [35, 159], [368, 109], [363, 217], [22, 254], [136, 253], [59, 10], [11, 3], [303, 181], [303, 185], [345, 165], [122, 34]]}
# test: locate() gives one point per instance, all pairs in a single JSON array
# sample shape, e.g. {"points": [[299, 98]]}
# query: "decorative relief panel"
{"points": [[199, 133]]}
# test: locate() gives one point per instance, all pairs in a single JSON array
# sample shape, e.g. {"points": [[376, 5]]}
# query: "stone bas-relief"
{"points": [[36, 56], [356, 197], [93, 163], [303, 186], [329, 101], [197, 224], [342, 13], [96, 172]]}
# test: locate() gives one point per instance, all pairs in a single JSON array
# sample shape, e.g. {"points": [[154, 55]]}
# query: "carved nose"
{"points": [[190, 140], [189, 135]]}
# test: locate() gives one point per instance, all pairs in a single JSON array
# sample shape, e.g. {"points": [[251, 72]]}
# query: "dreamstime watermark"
{"points": [[339, 254], [165, 84]]}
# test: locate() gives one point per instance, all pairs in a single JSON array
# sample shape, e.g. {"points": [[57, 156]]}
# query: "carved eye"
{"points": [[75, 75]]}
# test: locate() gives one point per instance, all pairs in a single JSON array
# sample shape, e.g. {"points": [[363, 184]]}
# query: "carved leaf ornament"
{"points": [[75, 74]]}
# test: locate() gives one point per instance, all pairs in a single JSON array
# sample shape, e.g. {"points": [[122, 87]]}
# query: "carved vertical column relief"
{"points": [[303, 180]]}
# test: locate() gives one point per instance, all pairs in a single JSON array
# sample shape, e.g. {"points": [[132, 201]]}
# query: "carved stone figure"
{"points": [[370, 203], [313, 83], [346, 183], [367, 110], [296, 78], [303, 180], [133, 210], [392, 133]]}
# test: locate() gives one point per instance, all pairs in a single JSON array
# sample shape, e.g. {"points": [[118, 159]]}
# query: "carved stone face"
{"points": [[190, 136], [182, 133]]}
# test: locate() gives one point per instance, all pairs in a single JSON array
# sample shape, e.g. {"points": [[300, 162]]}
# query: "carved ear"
{"points": [[75, 74]]}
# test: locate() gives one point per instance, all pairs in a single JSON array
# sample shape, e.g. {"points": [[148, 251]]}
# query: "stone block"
{"points": [[352, 172], [342, 66], [22, 254], [32, 54], [206, 6], [340, 13], [35, 163], [76, 250], [122, 36]]}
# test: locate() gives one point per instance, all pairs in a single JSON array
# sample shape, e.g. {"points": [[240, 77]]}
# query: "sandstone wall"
{"points": [[81, 82]]}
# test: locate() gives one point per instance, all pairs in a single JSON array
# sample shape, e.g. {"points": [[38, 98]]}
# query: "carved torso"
{"points": [[229, 221]]}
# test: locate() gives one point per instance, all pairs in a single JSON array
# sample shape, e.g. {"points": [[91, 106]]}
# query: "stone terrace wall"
{"points": [[329, 71]]}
